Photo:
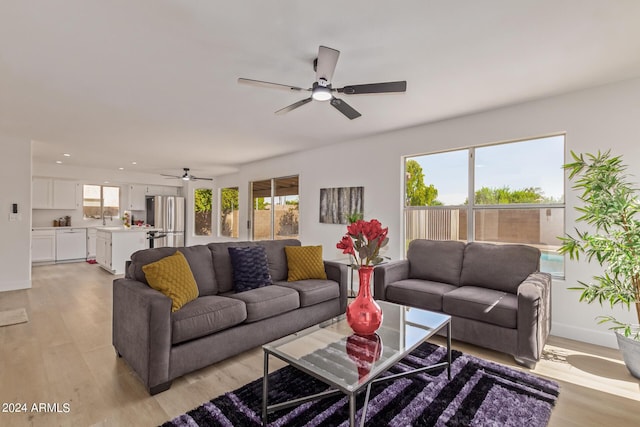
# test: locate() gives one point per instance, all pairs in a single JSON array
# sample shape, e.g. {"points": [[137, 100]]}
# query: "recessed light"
{"points": [[134, 163], [59, 162], [106, 182], [67, 155], [121, 169]]}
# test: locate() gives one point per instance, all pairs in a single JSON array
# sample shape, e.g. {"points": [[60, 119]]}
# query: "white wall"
{"points": [[15, 187], [595, 119]]}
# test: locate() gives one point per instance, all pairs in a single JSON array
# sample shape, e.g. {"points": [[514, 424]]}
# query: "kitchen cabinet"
{"points": [[114, 246], [42, 193], [91, 243], [162, 190], [66, 194], [71, 244], [48, 193], [137, 194], [43, 245], [103, 249]]}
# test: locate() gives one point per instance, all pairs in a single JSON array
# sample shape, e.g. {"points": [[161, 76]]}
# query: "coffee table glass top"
{"points": [[332, 352]]}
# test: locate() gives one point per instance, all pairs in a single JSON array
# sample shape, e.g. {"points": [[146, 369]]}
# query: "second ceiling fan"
{"points": [[186, 176], [322, 89]]}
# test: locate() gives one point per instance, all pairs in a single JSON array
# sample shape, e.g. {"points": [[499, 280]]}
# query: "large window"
{"points": [[512, 192], [100, 201], [229, 204], [202, 204], [275, 208]]}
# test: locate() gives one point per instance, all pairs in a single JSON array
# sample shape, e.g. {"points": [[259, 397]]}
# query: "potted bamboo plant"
{"points": [[611, 210]]}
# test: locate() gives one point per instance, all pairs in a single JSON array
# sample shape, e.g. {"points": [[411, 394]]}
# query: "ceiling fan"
{"points": [[322, 89], [186, 176]]}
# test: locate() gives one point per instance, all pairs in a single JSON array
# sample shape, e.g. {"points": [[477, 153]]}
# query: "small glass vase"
{"points": [[364, 315]]}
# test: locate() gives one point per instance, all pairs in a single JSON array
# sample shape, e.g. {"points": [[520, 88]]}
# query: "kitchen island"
{"points": [[114, 246]]}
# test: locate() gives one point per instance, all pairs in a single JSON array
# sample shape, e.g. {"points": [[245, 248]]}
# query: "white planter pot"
{"points": [[630, 350]]}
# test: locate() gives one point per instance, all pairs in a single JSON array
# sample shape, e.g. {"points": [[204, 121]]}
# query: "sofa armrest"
{"points": [[534, 315], [142, 329], [385, 274], [338, 272]]}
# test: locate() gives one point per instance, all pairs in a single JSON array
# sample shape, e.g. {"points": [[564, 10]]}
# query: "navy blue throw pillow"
{"points": [[250, 268]]}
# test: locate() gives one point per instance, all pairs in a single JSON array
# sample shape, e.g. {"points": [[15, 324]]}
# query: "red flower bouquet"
{"points": [[363, 242]]}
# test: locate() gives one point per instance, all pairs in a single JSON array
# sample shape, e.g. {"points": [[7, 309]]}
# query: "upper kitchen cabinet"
{"points": [[162, 190], [48, 193], [137, 194], [42, 193], [66, 194]]}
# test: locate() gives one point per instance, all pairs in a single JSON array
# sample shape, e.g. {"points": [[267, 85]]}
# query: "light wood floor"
{"points": [[63, 356]]}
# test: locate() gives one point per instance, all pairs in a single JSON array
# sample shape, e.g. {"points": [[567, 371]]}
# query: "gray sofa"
{"points": [[495, 294], [160, 345]]}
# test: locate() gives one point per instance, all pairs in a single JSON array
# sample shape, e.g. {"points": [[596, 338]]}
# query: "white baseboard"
{"points": [[592, 336]]}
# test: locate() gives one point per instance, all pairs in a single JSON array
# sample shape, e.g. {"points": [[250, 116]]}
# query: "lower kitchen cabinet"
{"points": [[114, 249], [91, 243], [43, 245]]}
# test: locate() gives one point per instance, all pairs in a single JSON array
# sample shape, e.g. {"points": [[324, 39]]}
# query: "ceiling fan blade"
{"points": [[326, 63], [345, 108], [170, 176], [260, 83], [196, 178], [374, 88], [294, 106]]}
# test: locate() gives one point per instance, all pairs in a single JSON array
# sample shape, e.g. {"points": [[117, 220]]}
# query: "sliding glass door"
{"points": [[275, 204]]}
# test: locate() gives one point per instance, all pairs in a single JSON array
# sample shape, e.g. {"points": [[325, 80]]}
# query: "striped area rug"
{"points": [[479, 393]]}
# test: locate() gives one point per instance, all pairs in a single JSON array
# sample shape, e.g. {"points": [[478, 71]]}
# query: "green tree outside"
{"points": [[504, 195], [417, 192], [203, 202], [228, 205]]}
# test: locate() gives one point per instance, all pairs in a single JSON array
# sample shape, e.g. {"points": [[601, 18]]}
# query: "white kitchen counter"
{"points": [[126, 230]]}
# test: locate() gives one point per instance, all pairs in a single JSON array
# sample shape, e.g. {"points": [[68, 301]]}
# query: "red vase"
{"points": [[364, 315]]}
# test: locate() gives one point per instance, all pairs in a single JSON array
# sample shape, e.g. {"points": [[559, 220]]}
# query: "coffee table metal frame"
{"points": [[339, 388]]}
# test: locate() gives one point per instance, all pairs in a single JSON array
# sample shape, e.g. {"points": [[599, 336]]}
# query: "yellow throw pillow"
{"points": [[304, 262], [173, 277]]}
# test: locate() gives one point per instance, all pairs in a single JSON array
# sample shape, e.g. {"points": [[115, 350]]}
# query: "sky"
{"points": [[531, 163]]}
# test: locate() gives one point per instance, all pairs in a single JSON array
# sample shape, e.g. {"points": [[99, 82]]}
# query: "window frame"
{"points": [[102, 203], [235, 228], [471, 207], [273, 195]]}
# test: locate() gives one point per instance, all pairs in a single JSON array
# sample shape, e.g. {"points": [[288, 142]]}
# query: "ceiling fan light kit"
{"points": [[324, 66]]}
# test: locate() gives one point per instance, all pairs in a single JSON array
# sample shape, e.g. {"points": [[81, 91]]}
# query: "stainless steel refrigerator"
{"points": [[166, 213]]}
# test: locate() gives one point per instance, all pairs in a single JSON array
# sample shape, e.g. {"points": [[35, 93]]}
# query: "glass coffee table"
{"points": [[349, 363]]}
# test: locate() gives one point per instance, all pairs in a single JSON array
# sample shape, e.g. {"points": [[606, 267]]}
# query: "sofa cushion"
{"points": [[262, 303], [250, 269], [172, 276], [423, 294], [198, 257], [500, 267], [204, 316], [222, 263], [312, 291], [436, 260], [485, 305], [277, 256], [304, 262]]}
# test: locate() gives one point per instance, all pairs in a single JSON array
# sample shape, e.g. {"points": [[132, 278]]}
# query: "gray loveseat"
{"points": [[495, 294], [160, 345]]}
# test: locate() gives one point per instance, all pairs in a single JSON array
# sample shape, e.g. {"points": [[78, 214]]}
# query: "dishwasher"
{"points": [[71, 244]]}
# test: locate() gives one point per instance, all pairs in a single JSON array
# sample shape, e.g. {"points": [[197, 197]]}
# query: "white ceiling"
{"points": [[155, 81]]}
